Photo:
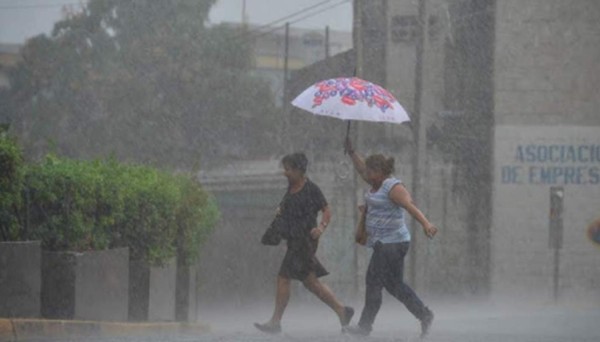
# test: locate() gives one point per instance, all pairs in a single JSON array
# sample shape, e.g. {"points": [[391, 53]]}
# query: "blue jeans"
{"points": [[386, 270]]}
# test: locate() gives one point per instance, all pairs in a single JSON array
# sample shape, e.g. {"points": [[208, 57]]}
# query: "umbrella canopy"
{"points": [[351, 98]]}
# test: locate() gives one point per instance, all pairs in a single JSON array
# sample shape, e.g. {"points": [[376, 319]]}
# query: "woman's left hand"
{"points": [[316, 233]]}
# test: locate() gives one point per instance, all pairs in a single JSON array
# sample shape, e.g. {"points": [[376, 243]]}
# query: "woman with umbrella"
{"points": [[388, 235], [298, 211]]}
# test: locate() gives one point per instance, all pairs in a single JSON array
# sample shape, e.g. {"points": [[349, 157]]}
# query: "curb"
{"points": [[12, 330], [6, 330]]}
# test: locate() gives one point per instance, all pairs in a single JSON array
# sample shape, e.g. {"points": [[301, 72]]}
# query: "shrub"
{"points": [[82, 205], [60, 197], [147, 225], [11, 177], [196, 215]]}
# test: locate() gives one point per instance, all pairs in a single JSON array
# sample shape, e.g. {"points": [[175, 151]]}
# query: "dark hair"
{"points": [[379, 162], [296, 161]]}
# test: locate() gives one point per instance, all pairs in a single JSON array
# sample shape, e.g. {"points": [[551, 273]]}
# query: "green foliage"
{"points": [[11, 175], [144, 80], [148, 226], [196, 215], [82, 205], [60, 205]]}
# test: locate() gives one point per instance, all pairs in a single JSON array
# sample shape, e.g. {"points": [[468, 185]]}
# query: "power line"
{"points": [[255, 33], [293, 14], [25, 6], [322, 10]]}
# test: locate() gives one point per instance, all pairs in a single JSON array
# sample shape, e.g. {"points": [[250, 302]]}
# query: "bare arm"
{"points": [[359, 163], [325, 218], [402, 197]]}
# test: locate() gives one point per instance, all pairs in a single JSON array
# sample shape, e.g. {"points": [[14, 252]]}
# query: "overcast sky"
{"points": [[22, 19]]}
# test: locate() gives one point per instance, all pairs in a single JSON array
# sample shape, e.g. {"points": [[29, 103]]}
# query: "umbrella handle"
{"points": [[347, 136]]}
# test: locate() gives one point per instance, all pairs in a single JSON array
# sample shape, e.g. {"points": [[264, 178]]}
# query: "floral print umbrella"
{"points": [[351, 98]]}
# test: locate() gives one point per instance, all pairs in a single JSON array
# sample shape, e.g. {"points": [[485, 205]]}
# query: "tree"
{"points": [[147, 81], [11, 182]]}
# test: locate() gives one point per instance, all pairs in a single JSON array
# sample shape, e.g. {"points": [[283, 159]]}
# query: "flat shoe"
{"points": [[348, 313], [357, 330], [268, 328], [426, 323]]}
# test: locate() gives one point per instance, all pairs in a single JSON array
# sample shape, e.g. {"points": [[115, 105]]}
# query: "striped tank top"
{"points": [[385, 219]]}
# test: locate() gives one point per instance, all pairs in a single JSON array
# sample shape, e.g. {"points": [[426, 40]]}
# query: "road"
{"points": [[453, 322]]}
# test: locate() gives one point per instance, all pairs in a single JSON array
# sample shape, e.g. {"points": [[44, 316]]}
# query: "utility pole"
{"points": [[327, 42], [284, 99], [357, 38], [419, 128], [557, 194], [286, 57], [244, 16]]}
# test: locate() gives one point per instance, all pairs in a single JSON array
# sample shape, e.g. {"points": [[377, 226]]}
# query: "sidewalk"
{"points": [[22, 329]]}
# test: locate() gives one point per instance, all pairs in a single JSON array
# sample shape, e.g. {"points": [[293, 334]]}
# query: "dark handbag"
{"points": [[272, 236]]}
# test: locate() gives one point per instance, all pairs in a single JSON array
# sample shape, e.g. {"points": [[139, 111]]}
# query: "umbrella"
{"points": [[351, 98]]}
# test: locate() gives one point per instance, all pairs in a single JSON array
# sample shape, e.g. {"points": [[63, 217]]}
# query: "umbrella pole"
{"points": [[347, 137]]}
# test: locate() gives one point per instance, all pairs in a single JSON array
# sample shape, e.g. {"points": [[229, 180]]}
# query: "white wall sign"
{"points": [[544, 156]]}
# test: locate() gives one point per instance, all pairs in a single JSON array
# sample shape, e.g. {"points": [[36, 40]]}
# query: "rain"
{"points": [[146, 146]]}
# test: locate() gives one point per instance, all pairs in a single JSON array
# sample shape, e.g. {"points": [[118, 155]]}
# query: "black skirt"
{"points": [[300, 259]]}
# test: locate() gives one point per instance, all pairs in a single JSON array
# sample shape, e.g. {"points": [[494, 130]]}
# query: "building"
{"points": [[509, 97], [508, 160], [546, 161]]}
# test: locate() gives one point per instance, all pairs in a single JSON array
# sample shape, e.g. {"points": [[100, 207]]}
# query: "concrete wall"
{"points": [[90, 285], [401, 57], [101, 285], [152, 291], [234, 268], [20, 279], [529, 162], [337, 251], [547, 70], [58, 285], [547, 78], [186, 288], [453, 193], [161, 306], [139, 290]]}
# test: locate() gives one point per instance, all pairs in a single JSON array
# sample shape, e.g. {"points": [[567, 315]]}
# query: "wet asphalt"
{"points": [[453, 322]]}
